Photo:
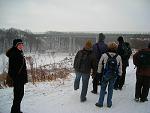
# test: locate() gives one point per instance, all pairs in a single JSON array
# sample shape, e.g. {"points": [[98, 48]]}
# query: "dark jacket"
{"points": [[141, 71], [99, 49], [84, 61], [124, 57], [17, 65]]}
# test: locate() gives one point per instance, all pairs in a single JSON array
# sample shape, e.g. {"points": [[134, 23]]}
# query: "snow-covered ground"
{"points": [[56, 97]]}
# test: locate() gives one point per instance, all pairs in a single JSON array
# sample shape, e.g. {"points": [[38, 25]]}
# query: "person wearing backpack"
{"points": [[141, 60], [84, 62], [125, 52], [98, 48], [112, 67]]}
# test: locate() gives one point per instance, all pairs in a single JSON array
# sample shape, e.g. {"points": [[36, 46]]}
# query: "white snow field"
{"points": [[56, 97]]}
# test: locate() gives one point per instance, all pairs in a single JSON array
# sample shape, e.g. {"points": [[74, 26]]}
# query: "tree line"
{"points": [[64, 41]]}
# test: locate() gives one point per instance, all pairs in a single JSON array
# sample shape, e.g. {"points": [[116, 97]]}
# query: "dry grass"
{"points": [[48, 72], [40, 75], [3, 78]]}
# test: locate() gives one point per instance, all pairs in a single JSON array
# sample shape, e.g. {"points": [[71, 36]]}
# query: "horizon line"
{"points": [[115, 32]]}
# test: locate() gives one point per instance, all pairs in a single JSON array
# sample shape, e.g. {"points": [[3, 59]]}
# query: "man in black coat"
{"points": [[124, 51], [18, 72]]}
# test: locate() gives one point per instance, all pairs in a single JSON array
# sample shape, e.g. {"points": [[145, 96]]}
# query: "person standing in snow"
{"points": [[84, 62], [125, 52], [99, 48], [18, 72], [141, 60], [112, 64]]}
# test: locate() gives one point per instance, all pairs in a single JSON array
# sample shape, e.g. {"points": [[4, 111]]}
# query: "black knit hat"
{"points": [[120, 39], [101, 37], [16, 42]]}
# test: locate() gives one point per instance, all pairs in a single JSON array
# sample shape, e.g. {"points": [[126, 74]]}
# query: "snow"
{"points": [[56, 97], [47, 58], [3, 61]]}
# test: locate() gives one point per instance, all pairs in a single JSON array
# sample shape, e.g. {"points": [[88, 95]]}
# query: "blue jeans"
{"points": [[85, 82], [104, 84]]}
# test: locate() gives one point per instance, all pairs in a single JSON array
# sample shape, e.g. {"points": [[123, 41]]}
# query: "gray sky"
{"points": [[76, 15]]}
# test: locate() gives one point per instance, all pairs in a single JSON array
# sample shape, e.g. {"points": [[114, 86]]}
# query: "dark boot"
{"points": [[94, 92], [98, 105]]}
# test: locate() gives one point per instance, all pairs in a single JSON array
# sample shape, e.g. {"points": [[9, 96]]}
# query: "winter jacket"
{"points": [[84, 61], [104, 59], [99, 49], [120, 51], [17, 65], [141, 71]]}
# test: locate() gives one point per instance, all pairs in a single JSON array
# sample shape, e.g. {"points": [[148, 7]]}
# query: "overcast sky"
{"points": [[76, 15]]}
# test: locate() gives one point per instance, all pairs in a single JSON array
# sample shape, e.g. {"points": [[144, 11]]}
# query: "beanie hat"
{"points": [[120, 39], [112, 46], [88, 44], [16, 42], [101, 37]]}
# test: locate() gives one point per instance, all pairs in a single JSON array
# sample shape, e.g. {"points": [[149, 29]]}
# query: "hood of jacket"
{"points": [[12, 51]]}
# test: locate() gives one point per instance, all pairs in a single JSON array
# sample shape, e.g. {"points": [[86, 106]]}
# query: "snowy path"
{"points": [[55, 98]]}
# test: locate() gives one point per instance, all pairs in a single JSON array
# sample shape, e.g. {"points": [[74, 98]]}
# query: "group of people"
{"points": [[107, 64]]}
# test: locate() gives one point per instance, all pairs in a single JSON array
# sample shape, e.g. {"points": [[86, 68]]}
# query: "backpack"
{"points": [[111, 68], [143, 59], [84, 58], [126, 50]]}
